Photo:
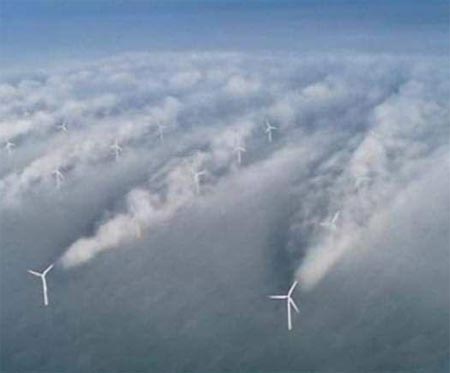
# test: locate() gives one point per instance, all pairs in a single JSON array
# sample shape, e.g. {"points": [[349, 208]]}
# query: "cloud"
{"points": [[253, 227], [97, 118], [240, 86]]}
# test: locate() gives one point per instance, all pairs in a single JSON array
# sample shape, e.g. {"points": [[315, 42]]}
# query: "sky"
{"points": [[159, 270], [38, 32]]}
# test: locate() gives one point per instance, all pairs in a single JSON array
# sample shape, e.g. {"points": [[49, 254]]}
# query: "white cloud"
{"points": [[241, 86], [351, 114]]}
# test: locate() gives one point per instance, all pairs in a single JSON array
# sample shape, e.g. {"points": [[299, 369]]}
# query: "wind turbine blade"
{"points": [[49, 268], [34, 273], [335, 217], [291, 301], [277, 296], [292, 288]]}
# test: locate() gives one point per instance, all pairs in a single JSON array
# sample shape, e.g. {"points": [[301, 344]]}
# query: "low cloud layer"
{"points": [[365, 136]]}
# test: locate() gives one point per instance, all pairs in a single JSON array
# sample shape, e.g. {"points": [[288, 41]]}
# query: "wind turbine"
{"points": [[9, 147], [44, 281], [59, 177], [331, 224], [197, 179], [376, 135], [239, 149], [117, 149], [63, 126], [289, 303], [138, 229], [269, 129], [161, 128], [361, 180]]}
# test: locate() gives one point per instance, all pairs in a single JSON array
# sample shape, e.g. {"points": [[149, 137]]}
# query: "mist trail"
{"points": [[353, 127]]}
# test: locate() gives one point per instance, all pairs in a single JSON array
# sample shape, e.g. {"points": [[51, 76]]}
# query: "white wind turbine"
{"points": [[161, 128], [197, 179], [117, 149], [376, 135], [63, 126], [361, 180], [59, 177], [9, 147], [289, 303], [44, 281], [269, 129], [239, 149], [331, 224], [138, 228]]}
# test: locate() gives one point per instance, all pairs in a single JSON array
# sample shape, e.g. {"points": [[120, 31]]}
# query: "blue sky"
{"points": [[44, 31]]}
